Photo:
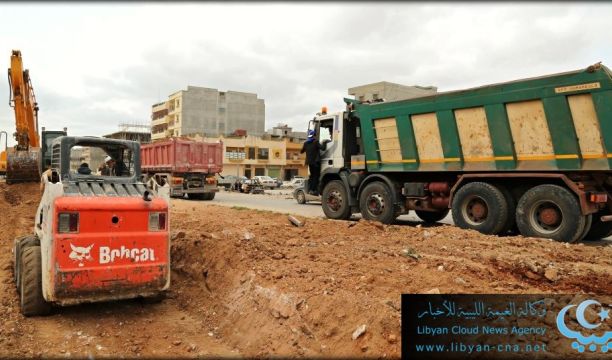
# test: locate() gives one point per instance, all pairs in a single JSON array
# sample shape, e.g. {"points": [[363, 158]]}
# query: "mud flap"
{"points": [[23, 165]]}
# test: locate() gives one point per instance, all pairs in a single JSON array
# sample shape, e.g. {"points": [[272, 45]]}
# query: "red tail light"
{"points": [[211, 180], [68, 223], [157, 221]]}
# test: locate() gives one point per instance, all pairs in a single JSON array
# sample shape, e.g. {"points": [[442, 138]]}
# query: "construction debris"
{"points": [[295, 221]]}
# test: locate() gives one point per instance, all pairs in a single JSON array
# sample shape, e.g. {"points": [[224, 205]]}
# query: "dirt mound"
{"points": [[279, 289], [246, 282]]}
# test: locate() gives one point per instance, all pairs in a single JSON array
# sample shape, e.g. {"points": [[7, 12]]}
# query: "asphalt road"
{"points": [[282, 201]]}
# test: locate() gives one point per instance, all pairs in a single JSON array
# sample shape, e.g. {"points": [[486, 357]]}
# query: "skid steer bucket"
{"points": [[23, 165]]}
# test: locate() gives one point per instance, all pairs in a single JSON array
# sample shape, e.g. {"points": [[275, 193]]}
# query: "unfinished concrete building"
{"points": [[390, 91], [207, 112]]}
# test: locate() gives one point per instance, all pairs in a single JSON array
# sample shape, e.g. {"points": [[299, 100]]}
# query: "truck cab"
{"points": [[100, 233], [343, 137]]}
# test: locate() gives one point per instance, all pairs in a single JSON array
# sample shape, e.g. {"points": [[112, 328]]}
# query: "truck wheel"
{"points": [[31, 296], [550, 211], [480, 206], [376, 203], [300, 197], [599, 229], [334, 201], [431, 217], [21, 243], [196, 196], [209, 196], [510, 226]]}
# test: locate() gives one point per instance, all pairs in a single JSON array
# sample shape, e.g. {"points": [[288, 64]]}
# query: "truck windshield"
{"points": [[114, 160]]}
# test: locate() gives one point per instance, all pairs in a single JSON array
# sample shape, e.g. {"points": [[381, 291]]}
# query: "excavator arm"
{"points": [[24, 103], [23, 162]]}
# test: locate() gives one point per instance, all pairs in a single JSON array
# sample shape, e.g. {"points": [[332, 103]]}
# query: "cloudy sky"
{"points": [[94, 66]]}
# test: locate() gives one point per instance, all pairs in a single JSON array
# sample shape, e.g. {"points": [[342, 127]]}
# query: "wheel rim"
{"points": [[301, 197], [546, 217], [376, 204], [334, 200], [475, 210]]}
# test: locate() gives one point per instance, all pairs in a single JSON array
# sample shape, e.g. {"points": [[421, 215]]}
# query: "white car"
{"points": [[266, 181], [296, 182]]}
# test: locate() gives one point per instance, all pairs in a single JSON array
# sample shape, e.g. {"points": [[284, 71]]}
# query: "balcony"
{"points": [[161, 121]]}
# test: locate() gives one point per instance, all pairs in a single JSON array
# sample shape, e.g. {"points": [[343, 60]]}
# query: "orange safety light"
{"points": [[324, 110]]}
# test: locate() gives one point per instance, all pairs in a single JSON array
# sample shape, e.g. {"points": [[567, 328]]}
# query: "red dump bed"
{"points": [[182, 156]]}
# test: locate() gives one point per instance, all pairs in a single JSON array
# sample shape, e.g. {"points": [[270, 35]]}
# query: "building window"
{"points": [[262, 154], [375, 96], [178, 104], [178, 118], [234, 153], [251, 154], [260, 171]]}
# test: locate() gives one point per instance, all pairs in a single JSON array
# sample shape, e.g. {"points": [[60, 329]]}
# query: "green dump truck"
{"points": [[532, 156]]}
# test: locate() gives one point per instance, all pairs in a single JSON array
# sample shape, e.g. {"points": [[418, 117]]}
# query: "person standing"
{"points": [[312, 148]]}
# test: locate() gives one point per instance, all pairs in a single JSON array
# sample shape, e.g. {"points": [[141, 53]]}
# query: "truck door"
{"points": [[330, 130]]}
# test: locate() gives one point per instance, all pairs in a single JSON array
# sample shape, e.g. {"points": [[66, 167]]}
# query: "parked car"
{"points": [[266, 181], [226, 181], [302, 196], [252, 186], [296, 182], [279, 182]]}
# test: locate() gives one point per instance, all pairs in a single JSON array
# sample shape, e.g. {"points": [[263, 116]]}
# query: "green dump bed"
{"points": [[550, 123]]}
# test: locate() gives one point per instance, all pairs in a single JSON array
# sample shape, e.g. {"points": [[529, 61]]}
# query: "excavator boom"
{"points": [[24, 160]]}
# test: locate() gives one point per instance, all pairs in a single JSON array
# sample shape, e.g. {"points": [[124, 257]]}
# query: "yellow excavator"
{"points": [[26, 160]]}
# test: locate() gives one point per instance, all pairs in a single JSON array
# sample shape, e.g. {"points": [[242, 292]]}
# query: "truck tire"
{"points": [[21, 243], [300, 197], [196, 196], [209, 196], [480, 206], [510, 227], [431, 217], [599, 229], [587, 227], [376, 203], [550, 211], [31, 296], [334, 201]]}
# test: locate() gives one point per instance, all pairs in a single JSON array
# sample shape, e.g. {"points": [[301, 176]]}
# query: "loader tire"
{"points": [[431, 217], [21, 243], [31, 297]]}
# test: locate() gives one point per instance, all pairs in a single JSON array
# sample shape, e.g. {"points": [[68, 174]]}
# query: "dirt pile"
{"points": [[279, 289], [248, 283]]}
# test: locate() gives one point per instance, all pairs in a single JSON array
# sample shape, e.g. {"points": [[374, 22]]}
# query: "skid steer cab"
{"points": [[100, 233]]}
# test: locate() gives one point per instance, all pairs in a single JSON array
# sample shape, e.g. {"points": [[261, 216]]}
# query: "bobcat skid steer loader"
{"points": [[100, 233]]}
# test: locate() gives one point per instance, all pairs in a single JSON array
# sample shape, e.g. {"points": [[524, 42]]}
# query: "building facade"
{"points": [[207, 112], [390, 91], [274, 156], [134, 132]]}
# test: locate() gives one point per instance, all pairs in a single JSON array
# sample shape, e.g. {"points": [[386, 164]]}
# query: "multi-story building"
{"points": [[134, 132], [390, 91], [207, 112], [274, 156]]}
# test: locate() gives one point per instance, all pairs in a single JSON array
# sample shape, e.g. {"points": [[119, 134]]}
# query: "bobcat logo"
{"points": [[80, 253]]}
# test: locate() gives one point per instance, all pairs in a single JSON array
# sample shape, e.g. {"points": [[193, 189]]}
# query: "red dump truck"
{"points": [[187, 166]]}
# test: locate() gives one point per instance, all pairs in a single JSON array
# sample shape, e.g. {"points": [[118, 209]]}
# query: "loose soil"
{"points": [[248, 283]]}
